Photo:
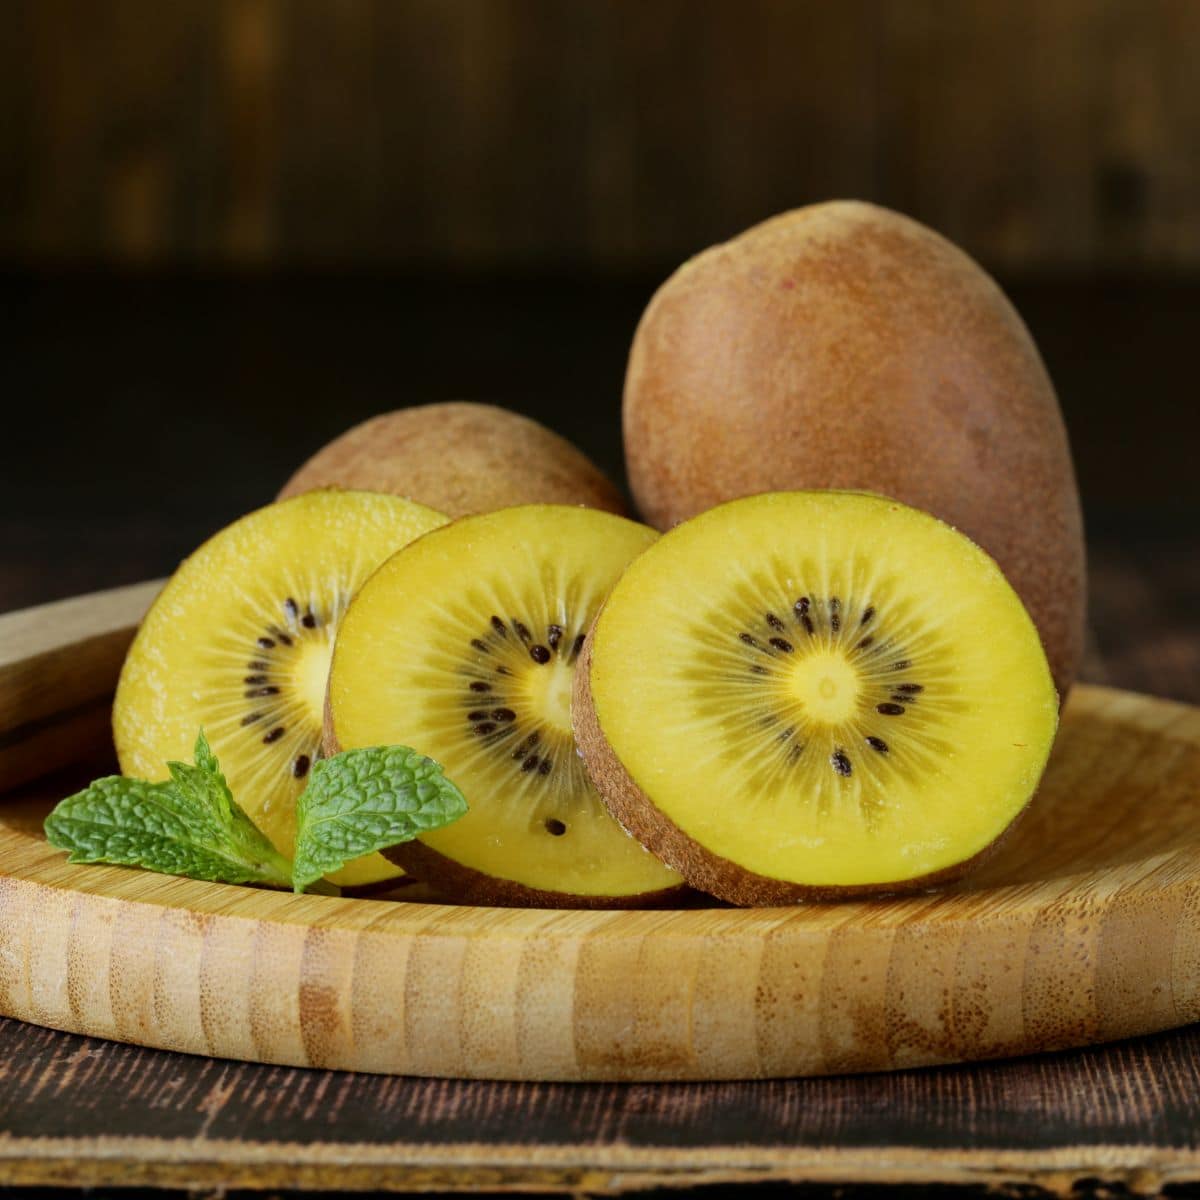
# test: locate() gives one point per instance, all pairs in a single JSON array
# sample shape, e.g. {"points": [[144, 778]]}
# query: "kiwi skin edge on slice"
{"points": [[702, 868], [465, 647], [454, 883], [814, 793]]}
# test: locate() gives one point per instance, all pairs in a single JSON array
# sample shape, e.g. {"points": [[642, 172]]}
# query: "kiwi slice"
{"points": [[464, 646], [814, 693], [239, 642]]}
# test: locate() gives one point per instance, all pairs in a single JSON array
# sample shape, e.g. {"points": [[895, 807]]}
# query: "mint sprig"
{"points": [[355, 803], [361, 801]]}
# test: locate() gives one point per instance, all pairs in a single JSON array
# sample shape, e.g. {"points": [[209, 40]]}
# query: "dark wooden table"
{"points": [[112, 487]]}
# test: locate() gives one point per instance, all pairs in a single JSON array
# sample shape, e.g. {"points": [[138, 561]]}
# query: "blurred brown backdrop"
{"points": [[591, 134], [231, 228]]}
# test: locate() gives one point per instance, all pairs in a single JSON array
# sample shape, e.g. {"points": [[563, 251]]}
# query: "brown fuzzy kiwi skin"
{"points": [[458, 884], [459, 458], [845, 346], [704, 870]]}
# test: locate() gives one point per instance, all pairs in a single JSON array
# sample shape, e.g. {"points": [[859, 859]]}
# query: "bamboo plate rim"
{"points": [[26, 856]]}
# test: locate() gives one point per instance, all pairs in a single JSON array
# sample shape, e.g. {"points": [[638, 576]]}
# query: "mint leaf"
{"points": [[204, 786], [187, 825], [204, 783], [365, 800]]}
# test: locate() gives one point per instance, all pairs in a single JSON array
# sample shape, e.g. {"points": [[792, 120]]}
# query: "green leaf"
{"points": [[204, 783], [187, 825], [365, 800]]}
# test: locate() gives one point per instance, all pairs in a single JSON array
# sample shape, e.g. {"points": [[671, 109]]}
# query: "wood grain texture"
{"points": [[1083, 929], [77, 1111], [528, 133], [58, 667]]}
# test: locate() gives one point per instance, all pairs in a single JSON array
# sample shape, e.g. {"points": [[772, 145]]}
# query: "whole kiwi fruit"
{"points": [[846, 346], [459, 458]]}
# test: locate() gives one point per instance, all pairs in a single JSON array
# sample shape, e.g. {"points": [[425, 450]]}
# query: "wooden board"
{"points": [[1112, 1122], [1083, 930]]}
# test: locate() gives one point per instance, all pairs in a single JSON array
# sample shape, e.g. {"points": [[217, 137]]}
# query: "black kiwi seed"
{"points": [[555, 826], [865, 642], [300, 766], [269, 690], [283, 637], [522, 631], [499, 626], [910, 689], [775, 622], [902, 699], [544, 767], [477, 685], [527, 745], [539, 653], [841, 762], [835, 614], [309, 620], [782, 644], [758, 669], [554, 635], [578, 644], [478, 714], [480, 645], [250, 718], [274, 735], [745, 637], [503, 714], [902, 665], [868, 613], [801, 608], [890, 710], [257, 666], [530, 764], [266, 643], [291, 608], [255, 679], [877, 743], [484, 728]]}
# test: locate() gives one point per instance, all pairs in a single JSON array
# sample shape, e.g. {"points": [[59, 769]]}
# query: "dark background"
{"points": [[231, 228]]}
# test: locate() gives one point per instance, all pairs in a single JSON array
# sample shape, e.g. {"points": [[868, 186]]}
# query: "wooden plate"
{"points": [[1085, 928]]}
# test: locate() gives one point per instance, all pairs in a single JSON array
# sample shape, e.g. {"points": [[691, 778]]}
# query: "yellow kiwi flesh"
{"points": [[814, 693], [464, 646], [239, 643], [842, 345]]}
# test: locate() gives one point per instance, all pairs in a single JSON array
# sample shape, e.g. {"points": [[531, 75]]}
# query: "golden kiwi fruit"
{"points": [[846, 346], [464, 646], [239, 642], [459, 458], [814, 694]]}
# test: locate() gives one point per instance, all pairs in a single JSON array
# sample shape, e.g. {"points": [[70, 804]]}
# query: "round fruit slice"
{"points": [[464, 647], [239, 642], [813, 693]]}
